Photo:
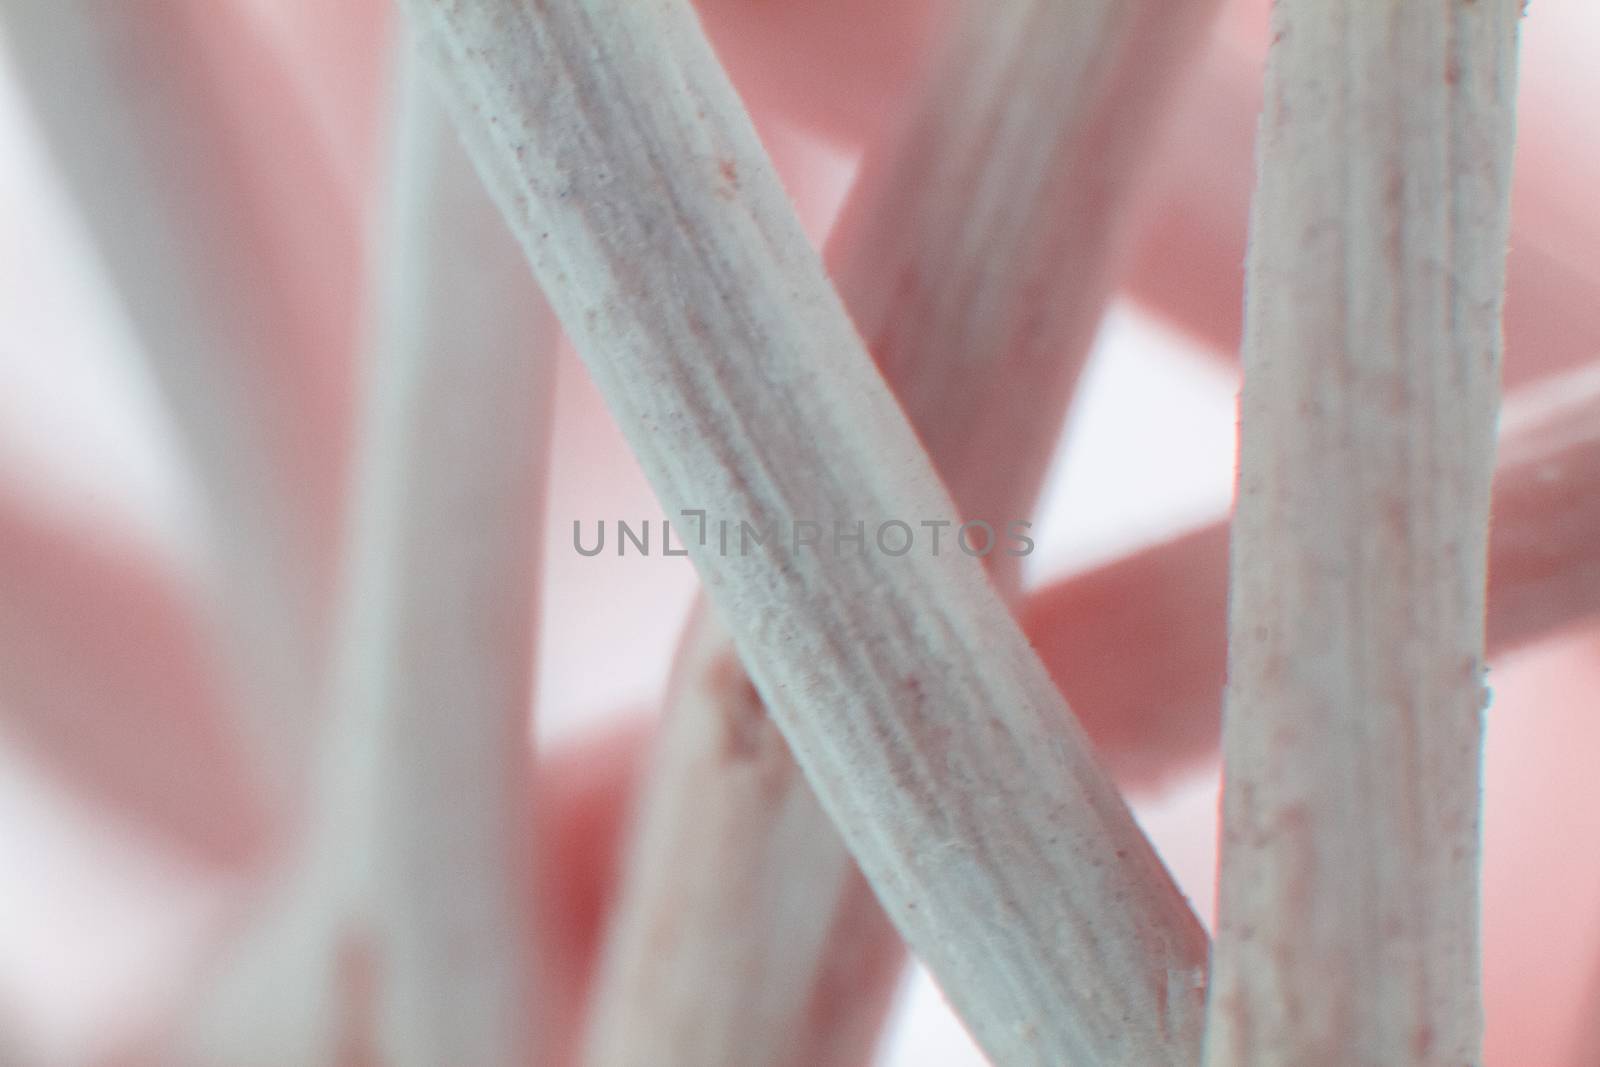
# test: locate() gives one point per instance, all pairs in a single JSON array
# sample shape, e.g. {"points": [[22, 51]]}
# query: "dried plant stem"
{"points": [[930, 731], [403, 935], [1138, 645], [978, 249], [227, 295], [1348, 901], [975, 256]]}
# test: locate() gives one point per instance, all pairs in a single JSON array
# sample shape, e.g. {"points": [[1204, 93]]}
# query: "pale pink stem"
{"points": [[402, 930], [975, 255], [1348, 905]]}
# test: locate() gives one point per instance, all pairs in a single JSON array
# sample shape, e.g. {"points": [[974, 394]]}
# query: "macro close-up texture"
{"points": [[799, 533]]}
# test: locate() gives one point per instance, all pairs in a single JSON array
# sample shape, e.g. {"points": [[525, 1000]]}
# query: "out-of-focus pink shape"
{"points": [[838, 67], [108, 669], [307, 226], [1139, 648], [1190, 262], [584, 796], [1541, 876], [338, 54], [250, 194]]}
